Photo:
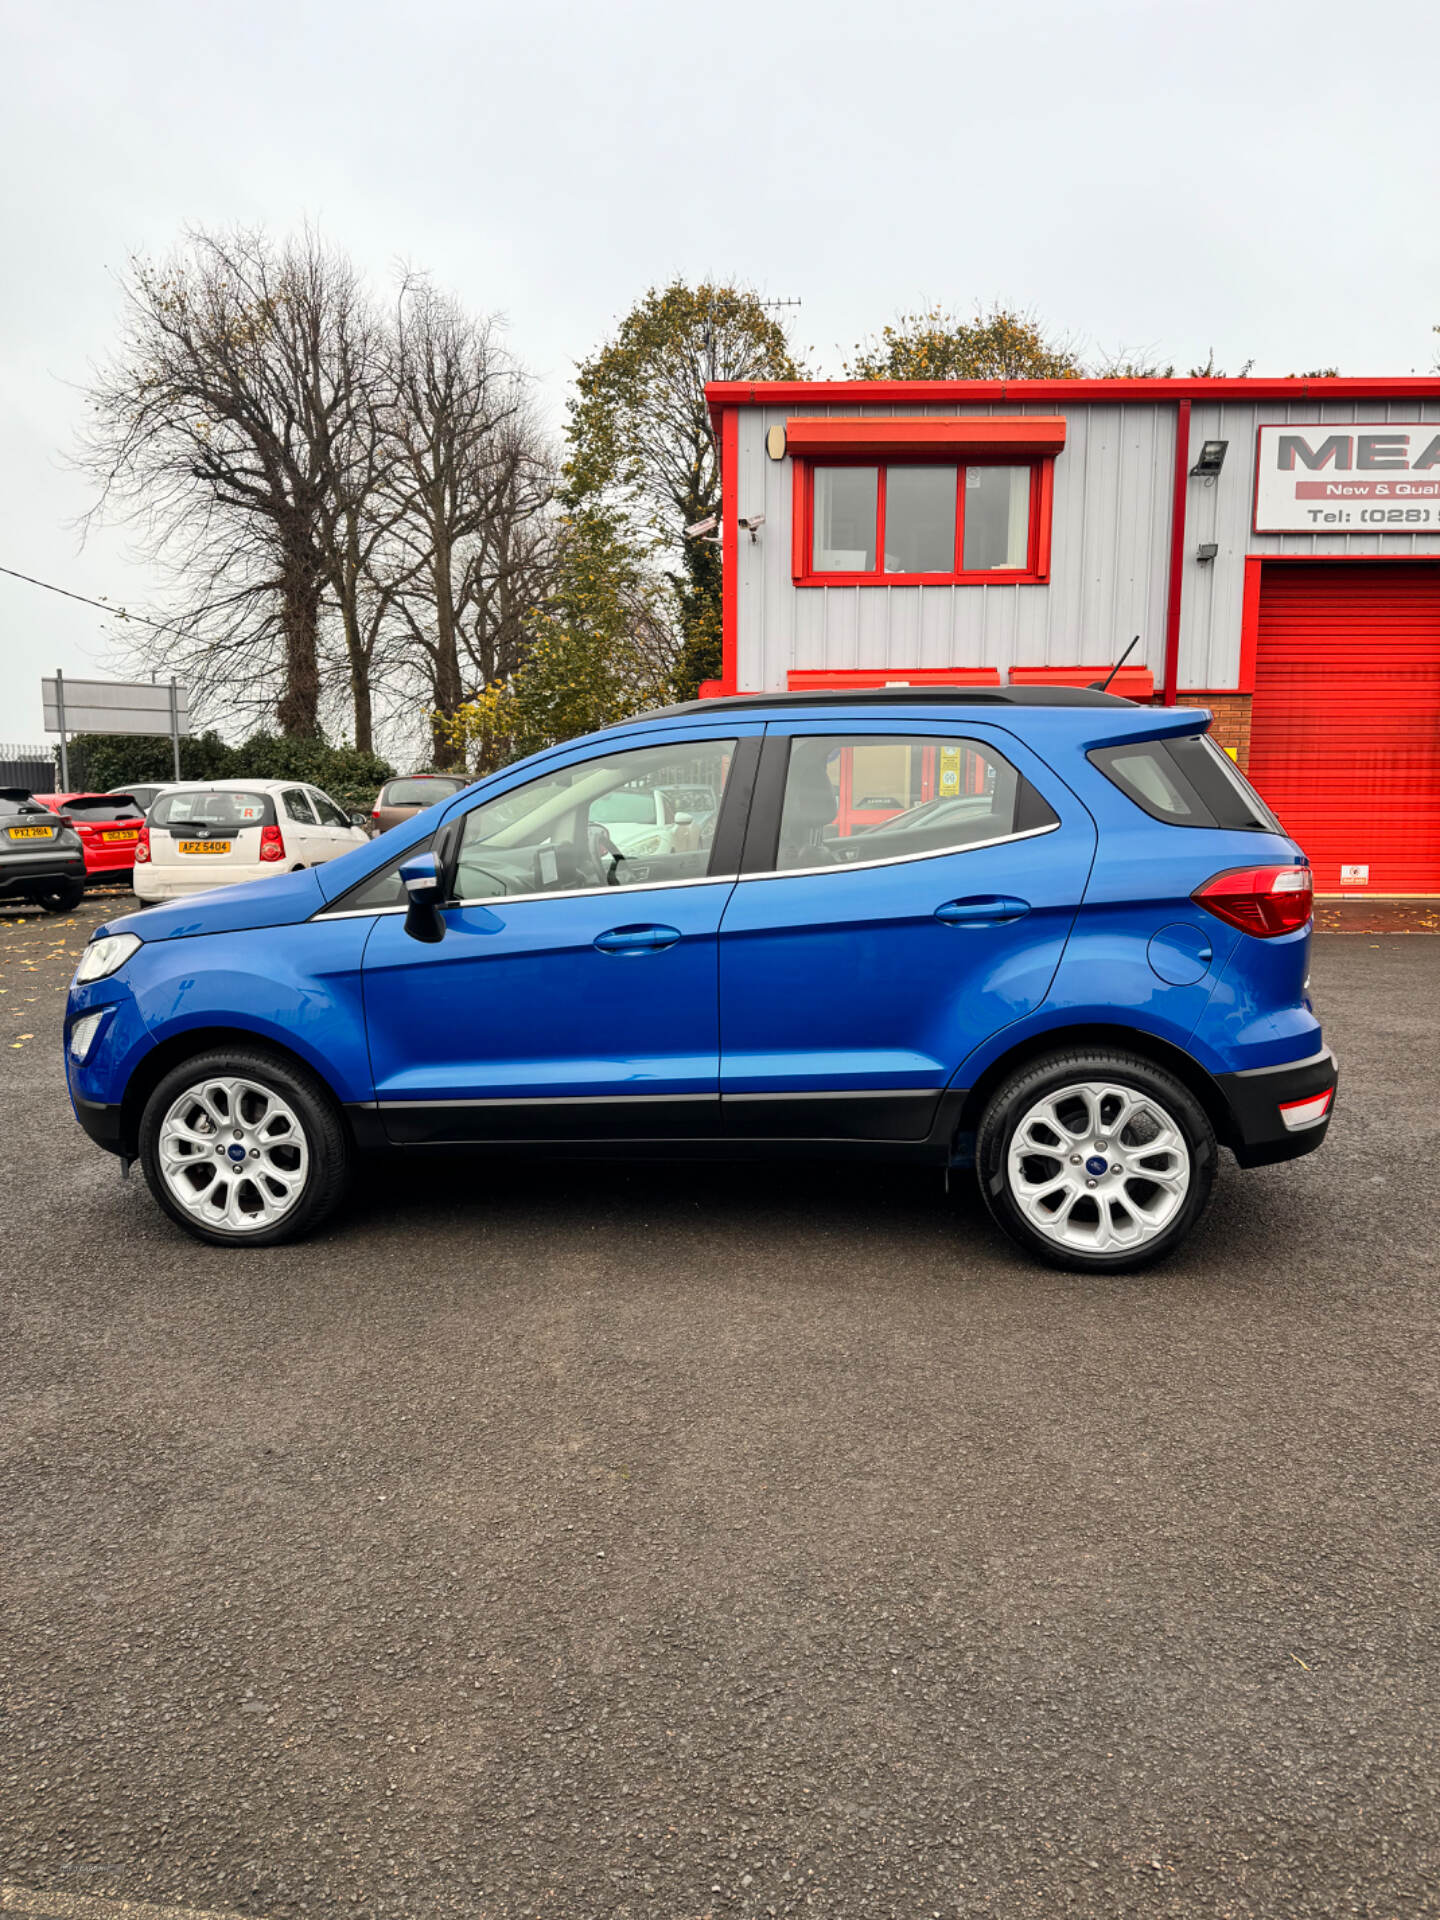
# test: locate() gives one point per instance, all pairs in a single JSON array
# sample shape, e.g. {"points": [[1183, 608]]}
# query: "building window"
{"points": [[920, 522]]}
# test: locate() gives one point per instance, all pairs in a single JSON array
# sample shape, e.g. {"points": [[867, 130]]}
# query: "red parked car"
{"points": [[108, 825]]}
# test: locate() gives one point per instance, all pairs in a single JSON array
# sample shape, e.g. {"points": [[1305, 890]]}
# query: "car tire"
{"points": [[1078, 1191], [63, 897], [293, 1161]]}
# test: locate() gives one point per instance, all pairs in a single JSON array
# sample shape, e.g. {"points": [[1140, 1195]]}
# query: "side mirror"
{"points": [[360, 820], [420, 876]]}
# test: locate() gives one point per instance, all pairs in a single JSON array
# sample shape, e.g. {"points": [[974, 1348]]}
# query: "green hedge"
{"points": [[101, 761]]}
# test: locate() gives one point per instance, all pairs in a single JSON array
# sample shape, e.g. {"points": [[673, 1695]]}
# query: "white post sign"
{"points": [[1370, 476], [114, 706]]}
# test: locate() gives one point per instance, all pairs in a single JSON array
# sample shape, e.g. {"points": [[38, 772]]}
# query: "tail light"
{"points": [[272, 843], [142, 847], [1259, 900]]}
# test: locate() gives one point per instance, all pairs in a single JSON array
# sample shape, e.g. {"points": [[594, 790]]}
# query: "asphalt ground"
{"points": [[682, 1541]]}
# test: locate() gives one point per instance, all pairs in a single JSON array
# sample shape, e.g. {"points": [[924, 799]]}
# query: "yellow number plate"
{"points": [[203, 846], [133, 834], [31, 833]]}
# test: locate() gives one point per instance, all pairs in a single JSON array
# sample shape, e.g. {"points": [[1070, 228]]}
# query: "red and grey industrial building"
{"points": [[1274, 543]]}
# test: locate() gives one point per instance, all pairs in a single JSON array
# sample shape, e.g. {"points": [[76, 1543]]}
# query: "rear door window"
{"points": [[853, 799], [298, 807]]}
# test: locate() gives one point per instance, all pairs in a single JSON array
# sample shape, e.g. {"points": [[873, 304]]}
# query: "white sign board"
{"points": [[110, 706], [1370, 476]]}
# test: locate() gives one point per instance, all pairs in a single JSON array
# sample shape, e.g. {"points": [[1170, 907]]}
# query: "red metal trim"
{"points": [[729, 551], [1249, 624], [874, 434], [1136, 683], [1177, 551], [813, 679], [1036, 572], [869, 393]]}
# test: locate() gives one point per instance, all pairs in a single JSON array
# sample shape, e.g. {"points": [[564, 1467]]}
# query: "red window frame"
{"points": [[1035, 572]]}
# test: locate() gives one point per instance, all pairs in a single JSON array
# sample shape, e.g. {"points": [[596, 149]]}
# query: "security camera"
{"points": [[755, 520], [702, 527]]}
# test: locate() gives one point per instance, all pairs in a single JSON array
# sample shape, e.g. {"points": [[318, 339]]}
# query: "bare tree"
{"points": [[238, 428], [472, 488]]}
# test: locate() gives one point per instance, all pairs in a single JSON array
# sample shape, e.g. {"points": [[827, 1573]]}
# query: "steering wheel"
{"points": [[603, 847]]}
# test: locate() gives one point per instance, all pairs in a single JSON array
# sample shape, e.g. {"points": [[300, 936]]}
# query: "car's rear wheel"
{"points": [[1096, 1161], [63, 896], [243, 1148]]}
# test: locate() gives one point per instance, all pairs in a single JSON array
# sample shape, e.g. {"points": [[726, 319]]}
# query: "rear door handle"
{"points": [[637, 939], [985, 910]]}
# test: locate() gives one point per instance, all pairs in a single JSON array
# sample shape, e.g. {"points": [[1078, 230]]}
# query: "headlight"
{"points": [[654, 843], [82, 1034], [102, 957]]}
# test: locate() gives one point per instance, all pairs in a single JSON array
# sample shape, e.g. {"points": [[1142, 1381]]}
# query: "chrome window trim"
{"points": [[554, 893], [708, 879], [902, 859]]}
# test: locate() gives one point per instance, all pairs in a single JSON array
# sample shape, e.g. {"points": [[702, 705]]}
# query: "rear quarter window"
{"points": [[1186, 781]]}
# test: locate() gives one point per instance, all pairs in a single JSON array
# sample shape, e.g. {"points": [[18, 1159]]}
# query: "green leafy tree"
{"points": [[939, 345], [640, 449]]}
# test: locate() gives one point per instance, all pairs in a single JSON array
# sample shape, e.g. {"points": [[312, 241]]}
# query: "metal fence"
{"points": [[28, 766]]}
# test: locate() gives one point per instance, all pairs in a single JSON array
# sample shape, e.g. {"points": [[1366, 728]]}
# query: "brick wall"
{"points": [[1230, 727]]}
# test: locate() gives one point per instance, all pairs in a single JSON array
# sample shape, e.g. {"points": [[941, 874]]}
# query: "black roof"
{"points": [[909, 696]]}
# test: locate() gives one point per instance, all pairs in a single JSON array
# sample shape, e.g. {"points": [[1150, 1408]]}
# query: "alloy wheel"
{"points": [[1098, 1167], [233, 1153]]}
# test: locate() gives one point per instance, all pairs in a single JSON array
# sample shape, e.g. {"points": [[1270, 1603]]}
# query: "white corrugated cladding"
{"points": [[1110, 552], [1213, 599], [1107, 568]]}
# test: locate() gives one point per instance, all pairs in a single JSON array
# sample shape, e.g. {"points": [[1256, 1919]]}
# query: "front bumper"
{"points": [[1257, 1099], [102, 1123]]}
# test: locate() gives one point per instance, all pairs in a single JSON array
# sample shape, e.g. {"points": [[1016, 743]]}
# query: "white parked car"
{"points": [[657, 820], [216, 832]]}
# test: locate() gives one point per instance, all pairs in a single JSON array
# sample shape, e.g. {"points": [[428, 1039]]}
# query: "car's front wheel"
{"points": [[1096, 1161], [243, 1148]]}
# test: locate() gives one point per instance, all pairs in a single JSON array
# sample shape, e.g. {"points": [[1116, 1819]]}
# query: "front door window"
{"points": [[640, 817]]}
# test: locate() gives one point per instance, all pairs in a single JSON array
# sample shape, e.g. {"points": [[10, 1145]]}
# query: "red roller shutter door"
{"points": [[1345, 726]]}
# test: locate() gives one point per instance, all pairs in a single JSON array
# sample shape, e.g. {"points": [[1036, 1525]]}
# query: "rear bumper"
{"points": [[1262, 1130], [21, 875], [153, 882]]}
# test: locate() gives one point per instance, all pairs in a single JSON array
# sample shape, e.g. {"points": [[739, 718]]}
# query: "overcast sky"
{"points": [[1252, 177]]}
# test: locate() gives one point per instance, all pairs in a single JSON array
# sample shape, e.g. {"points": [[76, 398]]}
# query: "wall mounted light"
{"points": [[1206, 552], [775, 442], [1210, 459]]}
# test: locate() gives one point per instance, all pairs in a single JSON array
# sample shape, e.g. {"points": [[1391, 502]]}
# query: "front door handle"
{"points": [[984, 910], [637, 939]]}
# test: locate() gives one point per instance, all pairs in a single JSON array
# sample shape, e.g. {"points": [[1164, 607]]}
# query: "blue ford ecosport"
{"points": [[1040, 931]]}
